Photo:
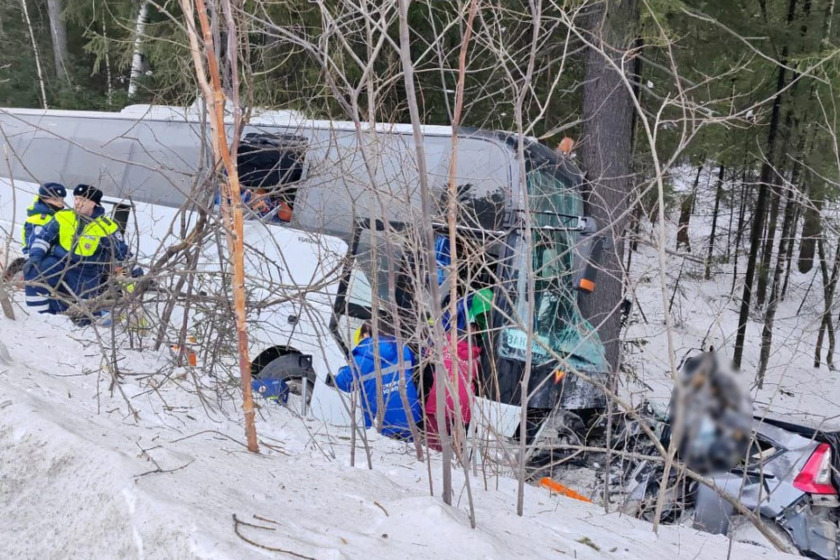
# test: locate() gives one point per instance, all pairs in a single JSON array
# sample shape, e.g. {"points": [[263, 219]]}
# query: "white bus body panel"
{"points": [[157, 155], [281, 265]]}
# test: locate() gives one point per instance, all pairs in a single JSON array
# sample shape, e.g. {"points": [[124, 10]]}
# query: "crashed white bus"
{"points": [[361, 184]]}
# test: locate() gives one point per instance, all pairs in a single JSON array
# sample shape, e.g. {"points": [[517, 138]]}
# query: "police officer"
{"points": [[50, 200], [75, 252]]}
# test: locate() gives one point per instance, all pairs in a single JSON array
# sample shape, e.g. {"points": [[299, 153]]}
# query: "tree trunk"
{"points": [[740, 230], [5, 302], [767, 249], [829, 289], [790, 244], [728, 253], [137, 52], [109, 83], [718, 196], [230, 195], [795, 180], [35, 52], [686, 209], [606, 152], [684, 222], [58, 33], [772, 305], [790, 127], [811, 231], [426, 207], [635, 227], [765, 178]]}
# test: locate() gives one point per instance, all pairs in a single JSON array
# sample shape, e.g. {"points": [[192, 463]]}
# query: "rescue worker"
{"points": [[463, 383], [362, 372], [50, 200], [74, 252]]}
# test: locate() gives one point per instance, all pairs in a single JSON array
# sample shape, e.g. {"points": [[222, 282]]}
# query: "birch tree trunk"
{"points": [[137, 53], [36, 53], [58, 33], [427, 238], [230, 195], [109, 83]]}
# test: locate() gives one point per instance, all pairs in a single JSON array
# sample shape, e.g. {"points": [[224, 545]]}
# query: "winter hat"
{"points": [[52, 190], [89, 192]]}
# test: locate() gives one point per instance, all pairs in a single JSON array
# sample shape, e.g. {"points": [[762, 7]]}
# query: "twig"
{"points": [[237, 523], [252, 525], [209, 432], [161, 471], [377, 504]]}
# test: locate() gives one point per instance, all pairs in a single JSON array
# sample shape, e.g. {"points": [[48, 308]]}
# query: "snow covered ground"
{"points": [[705, 313], [83, 475]]}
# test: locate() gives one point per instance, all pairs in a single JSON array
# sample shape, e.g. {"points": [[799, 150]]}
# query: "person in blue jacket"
{"points": [[75, 252], [362, 372], [50, 200]]}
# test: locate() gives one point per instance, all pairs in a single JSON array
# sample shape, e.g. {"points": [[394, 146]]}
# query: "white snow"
{"points": [[705, 313], [84, 477]]}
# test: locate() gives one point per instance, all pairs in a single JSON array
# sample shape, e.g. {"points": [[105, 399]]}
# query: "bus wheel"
{"points": [[300, 379]]}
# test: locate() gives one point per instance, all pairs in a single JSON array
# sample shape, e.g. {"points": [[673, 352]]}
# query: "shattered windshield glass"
{"points": [[556, 321]]}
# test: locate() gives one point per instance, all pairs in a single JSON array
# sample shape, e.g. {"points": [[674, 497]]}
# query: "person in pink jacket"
{"points": [[468, 364]]}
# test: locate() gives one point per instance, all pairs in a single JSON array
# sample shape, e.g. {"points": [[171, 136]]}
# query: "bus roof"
{"points": [[259, 117]]}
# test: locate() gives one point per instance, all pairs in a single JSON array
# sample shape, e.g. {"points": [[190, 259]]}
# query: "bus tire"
{"points": [[288, 367]]}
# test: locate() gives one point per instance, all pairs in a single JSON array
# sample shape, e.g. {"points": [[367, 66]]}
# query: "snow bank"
{"points": [[84, 477]]}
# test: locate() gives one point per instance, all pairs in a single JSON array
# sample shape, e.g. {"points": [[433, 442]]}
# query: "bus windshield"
{"points": [[557, 324]]}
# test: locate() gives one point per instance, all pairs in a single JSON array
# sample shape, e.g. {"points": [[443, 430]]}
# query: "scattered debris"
{"points": [[558, 488], [588, 542]]}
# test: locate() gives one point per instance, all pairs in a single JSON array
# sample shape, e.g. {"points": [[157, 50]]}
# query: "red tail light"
{"points": [[815, 476]]}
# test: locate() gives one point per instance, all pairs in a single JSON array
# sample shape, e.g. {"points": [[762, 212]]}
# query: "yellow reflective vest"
{"points": [[35, 220], [82, 243]]}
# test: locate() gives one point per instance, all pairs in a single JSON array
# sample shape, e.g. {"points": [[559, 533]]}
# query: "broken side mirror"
{"points": [[588, 254]]}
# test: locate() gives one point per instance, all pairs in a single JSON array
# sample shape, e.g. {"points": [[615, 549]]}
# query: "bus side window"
{"points": [[270, 168], [121, 214]]}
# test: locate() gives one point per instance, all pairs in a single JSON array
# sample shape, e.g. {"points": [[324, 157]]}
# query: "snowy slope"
{"points": [[705, 313], [83, 477]]}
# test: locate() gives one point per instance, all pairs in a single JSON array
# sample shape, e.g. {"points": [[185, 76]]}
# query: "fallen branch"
{"points": [[160, 470], [686, 256], [237, 523], [210, 432], [266, 519]]}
